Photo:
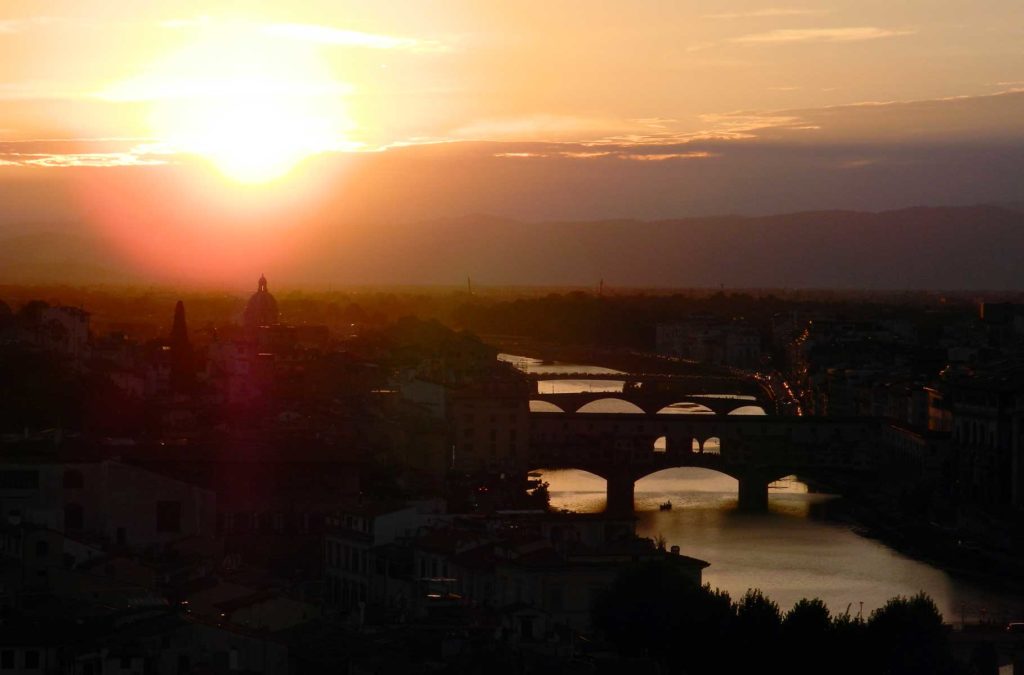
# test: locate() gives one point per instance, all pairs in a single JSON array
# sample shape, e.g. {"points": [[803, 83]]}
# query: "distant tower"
{"points": [[179, 331], [182, 360], [261, 309]]}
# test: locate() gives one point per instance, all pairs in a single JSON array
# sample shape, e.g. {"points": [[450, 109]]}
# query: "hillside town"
{"points": [[261, 496]]}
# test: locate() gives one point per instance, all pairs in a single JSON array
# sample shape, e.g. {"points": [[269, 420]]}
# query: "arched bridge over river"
{"points": [[654, 392], [756, 450], [650, 403]]}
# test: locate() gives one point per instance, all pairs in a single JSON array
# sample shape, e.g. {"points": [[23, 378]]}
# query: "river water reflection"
{"points": [[791, 552]]}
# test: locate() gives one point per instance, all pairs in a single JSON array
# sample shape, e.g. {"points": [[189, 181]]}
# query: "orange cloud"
{"points": [[667, 156], [810, 35], [769, 12]]}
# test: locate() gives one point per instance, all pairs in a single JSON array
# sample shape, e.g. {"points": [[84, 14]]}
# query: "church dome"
{"points": [[261, 309]]}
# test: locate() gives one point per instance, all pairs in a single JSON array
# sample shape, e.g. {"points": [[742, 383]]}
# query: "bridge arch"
{"points": [[752, 491], [610, 404], [704, 479], [686, 408], [675, 444], [589, 490], [748, 409], [571, 475], [711, 446], [544, 406]]}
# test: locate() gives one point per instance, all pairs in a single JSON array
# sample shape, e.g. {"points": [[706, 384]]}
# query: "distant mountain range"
{"points": [[949, 248], [65, 257], [922, 248]]}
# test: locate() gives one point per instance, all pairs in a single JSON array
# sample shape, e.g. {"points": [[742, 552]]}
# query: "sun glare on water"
{"points": [[252, 107]]}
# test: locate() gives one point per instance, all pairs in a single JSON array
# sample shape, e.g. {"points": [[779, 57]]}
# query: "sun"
{"points": [[254, 108], [253, 138]]}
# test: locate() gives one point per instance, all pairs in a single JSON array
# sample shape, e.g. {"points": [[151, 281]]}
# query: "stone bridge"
{"points": [[650, 403], [756, 450], [705, 384], [653, 392]]}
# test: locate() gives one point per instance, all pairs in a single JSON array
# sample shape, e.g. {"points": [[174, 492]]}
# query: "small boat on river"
{"points": [[665, 506]]}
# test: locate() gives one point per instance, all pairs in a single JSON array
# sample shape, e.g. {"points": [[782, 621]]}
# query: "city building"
{"points": [[261, 310], [709, 339]]}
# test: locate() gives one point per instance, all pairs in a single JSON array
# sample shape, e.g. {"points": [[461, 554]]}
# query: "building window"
{"points": [[73, 479], [42, 548], [7, 659], [168, 517], [555, 599], [19, 480], [74, 517], [31, 659]]}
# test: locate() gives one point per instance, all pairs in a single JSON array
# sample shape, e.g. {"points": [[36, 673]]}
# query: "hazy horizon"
{"points": [[970, 248], [181, 142]]}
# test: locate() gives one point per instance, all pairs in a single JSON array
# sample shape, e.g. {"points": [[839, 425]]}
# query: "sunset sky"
{"points": [[530, 109]]}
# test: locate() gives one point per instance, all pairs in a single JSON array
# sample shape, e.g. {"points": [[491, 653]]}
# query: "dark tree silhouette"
{"points": [[653, 609], [758, 626], [907, 637], [808, 619], [807, 632], [850, 637]]}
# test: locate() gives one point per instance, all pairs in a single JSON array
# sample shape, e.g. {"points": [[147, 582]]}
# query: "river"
{"points": [[791, 552]]}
